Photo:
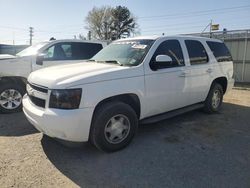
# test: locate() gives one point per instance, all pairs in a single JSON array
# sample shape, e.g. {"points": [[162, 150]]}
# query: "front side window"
{"points": [[220, 51], [67, 49], [173, 49], [196, 51], [128, 52], [49, 53], [61, 51]]}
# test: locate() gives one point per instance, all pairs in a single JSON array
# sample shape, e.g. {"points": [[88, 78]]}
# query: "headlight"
{"points": [[65, 99]]}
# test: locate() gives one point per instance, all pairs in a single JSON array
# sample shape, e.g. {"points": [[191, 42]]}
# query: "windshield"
{"points": [[130, 53], [32, 50]]}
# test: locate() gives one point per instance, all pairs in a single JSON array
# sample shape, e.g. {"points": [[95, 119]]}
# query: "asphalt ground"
{"points": [[190, 150]]}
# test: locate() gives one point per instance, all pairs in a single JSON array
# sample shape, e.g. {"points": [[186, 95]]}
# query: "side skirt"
{"points": [[170, 114]]}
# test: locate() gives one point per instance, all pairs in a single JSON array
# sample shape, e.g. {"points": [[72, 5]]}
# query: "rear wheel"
{"points": [[11, 97], [214, 99], [114, 126]]}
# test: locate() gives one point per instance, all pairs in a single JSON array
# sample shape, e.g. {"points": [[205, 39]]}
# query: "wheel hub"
{"points": [[216, 99], [117, 129], [10, 99]]}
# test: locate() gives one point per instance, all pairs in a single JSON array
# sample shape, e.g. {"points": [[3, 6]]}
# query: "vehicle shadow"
{"points": [[190, 150], [15, 125]]}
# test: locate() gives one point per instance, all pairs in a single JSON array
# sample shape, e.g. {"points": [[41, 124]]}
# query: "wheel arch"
{"points": [[128, 98], [14, 79], [222, 81]]}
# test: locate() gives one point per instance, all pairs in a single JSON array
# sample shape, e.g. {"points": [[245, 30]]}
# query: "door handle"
{"points": [[209, 70]]}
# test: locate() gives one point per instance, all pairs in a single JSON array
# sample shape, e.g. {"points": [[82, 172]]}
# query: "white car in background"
{"points": [[15, 69], [144, 79]]}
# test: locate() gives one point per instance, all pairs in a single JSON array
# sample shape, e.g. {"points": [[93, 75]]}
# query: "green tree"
{"points": [[123, 23], [107, 23]]}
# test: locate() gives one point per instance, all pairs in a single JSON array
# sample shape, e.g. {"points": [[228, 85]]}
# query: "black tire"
{"points": [[101, 120], [11, 86], [210, 107]]}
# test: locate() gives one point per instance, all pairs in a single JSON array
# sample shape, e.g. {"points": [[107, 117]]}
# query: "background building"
{"points": [[11, 49], [238, 43]]}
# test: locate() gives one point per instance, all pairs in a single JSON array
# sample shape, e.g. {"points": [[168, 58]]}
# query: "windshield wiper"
{"points": [[115, 62], [111, 61], [91, 60]]}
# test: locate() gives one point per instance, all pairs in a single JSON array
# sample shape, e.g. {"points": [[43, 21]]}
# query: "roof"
{"points": [[155, 37], [77, 40]]}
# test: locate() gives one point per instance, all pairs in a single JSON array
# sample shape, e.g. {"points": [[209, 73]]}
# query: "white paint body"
{"points": [[158, 91]]}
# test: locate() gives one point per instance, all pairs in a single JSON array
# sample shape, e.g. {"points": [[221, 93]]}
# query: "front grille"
{"points": [[37, 101], [39, 88]]}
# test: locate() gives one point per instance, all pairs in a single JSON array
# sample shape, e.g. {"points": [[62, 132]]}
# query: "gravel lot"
{"points": [[191, 150]]}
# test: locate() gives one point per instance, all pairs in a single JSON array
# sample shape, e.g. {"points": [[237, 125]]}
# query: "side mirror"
{"points": [[161, 61], [39, 59]]}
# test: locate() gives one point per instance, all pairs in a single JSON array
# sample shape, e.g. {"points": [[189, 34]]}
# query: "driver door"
{"points": [[56, 54], [166, 86]]}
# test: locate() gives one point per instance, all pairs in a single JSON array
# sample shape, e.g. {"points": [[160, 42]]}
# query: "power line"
{"points": [[190, 24], [195, 12], [14, 28], [190, 16], [174, 28]]}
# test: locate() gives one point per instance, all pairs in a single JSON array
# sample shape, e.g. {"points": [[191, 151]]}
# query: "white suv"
{"points": [[143, 79], [15, 69]]}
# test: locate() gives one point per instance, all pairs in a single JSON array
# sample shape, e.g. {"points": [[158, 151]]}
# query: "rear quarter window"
{"points": [[220, 51]]}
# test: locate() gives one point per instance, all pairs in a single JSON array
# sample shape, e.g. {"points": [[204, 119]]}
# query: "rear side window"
{"points": [[85, 50], [220, 51], [196, 51], [173, 49]]}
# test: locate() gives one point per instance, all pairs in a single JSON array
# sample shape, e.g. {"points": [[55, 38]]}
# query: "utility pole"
{"points": [[210, 30], [31, 31], [89, 35]]}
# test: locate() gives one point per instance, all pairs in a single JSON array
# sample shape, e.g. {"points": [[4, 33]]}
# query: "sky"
{"points": [[65, 18]]}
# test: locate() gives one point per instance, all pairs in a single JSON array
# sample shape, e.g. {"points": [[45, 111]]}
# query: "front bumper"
{"points": [[69, 125]]}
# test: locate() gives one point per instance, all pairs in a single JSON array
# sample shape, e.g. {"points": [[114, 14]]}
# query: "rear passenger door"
{"points": [[199, 71]]}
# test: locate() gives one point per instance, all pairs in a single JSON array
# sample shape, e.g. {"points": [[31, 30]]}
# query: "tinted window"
{"points": [[67, 49], [220, 51], [49, 53], [85, 50], [173, 49], [62, 51], [196, 51]]}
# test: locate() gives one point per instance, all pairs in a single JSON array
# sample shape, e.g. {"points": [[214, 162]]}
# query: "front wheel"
{"points": [[114, 126], [11, 97], [214, 99]]}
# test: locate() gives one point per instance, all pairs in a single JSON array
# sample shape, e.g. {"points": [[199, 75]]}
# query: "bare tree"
{"points": [[99, 21]]}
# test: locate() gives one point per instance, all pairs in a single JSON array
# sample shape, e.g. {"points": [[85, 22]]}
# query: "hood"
{"points": [[6, 56], [70, 75]]}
